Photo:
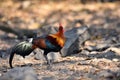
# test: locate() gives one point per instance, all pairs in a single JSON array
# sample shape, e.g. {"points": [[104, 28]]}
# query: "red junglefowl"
{"points": [[48, 43]]}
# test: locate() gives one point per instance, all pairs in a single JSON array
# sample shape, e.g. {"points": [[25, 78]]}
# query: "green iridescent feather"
{"points": [[23, 49]]}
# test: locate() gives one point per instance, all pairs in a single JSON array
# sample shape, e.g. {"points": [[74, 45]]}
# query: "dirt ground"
{"points": [[102, 18]]}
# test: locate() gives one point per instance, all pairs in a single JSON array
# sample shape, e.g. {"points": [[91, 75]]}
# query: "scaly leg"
{"points": [[48, 61]]}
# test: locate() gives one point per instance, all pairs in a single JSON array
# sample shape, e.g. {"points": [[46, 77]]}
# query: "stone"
{"points": [[5, 53], [20, 73], [109, 55], [115, 59], [99, 47], [49, 78], [74, 38], [107, 74], [39, 54], [54, 56]]}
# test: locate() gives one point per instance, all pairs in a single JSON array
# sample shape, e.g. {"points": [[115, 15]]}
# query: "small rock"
{"points": [[71, 78], [115, 59], [85, 52], [89, 43], [116, 50], [109, 55], [106, 74], [18, 73], [83, 62], [49, 78], [99, 47], [62, 71], [39, 54], [4, 53], [54, 56]]}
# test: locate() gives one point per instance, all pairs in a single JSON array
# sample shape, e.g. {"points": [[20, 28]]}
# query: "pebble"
{"points": [[115, 59]]}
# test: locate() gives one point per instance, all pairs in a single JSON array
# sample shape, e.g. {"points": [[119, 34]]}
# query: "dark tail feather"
{"points": [[11, 58], [23, 49]]}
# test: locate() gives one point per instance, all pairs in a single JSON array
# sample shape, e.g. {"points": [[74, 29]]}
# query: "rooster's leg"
{"points": [[48, 61]]}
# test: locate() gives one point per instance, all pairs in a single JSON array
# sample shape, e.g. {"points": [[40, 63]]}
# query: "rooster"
{"points": [[48, 43]]}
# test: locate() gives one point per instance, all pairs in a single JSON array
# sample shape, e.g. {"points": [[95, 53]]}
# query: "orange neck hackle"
{"points": [[59, 37]]}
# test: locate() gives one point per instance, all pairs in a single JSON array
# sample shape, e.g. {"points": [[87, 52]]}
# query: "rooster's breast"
{"points": [[52, 47]]}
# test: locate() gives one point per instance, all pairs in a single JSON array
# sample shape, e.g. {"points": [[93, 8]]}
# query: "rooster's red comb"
{"points": [[61, 27]]}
